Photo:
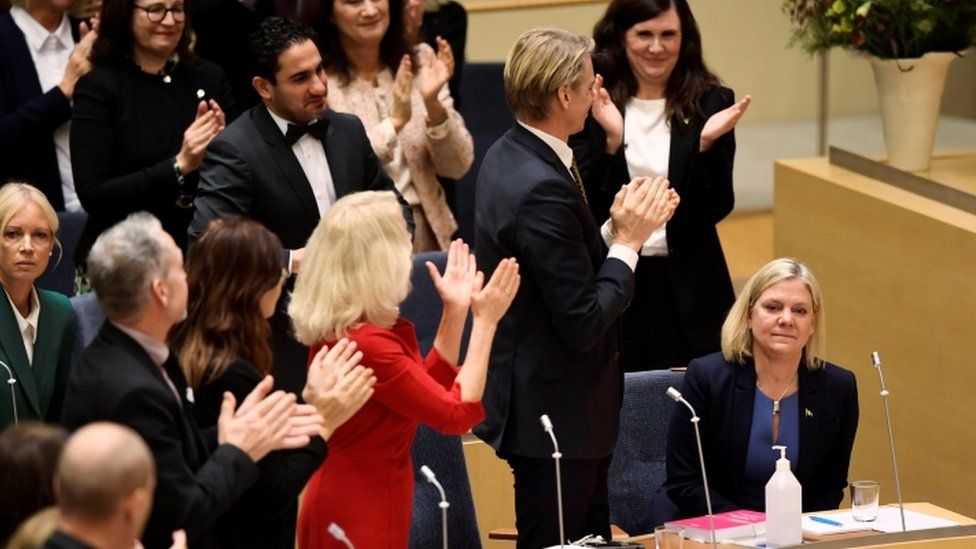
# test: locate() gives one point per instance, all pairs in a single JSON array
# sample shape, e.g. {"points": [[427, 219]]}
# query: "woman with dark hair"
{"points": [[223, 346], [400, 93], [143, 118], [663, 113], [28, 458]]}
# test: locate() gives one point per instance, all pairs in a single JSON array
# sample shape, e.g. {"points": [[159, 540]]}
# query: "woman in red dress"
{"points": [[354, 275]]}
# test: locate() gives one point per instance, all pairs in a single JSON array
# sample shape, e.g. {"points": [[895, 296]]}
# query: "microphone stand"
{"points": [[13, 394], [443, 504], [676, 396], [876, 362], [340, 534], [556, 455]]}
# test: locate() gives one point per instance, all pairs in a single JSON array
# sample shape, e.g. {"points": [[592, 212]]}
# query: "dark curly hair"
{"points": [[690, 79], [393, 46], [115, 40], [274, 36]]}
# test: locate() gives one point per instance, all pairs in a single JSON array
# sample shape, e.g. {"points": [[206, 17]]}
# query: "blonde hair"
{"points": [[541, 61], [737, 336], [356, 268], [15, 195]]}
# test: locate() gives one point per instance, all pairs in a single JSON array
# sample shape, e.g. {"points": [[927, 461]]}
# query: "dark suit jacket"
{"points": [[723, 394], [700, 281], [555, 351], [40, 387], [115, 380], [250, 170], [28, 117], [60, 540]]}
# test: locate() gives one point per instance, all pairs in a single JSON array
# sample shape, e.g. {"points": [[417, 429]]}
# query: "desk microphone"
{"points": [[876, 362], [443, 504], [13, 394], [340, 534], [676, 396]]}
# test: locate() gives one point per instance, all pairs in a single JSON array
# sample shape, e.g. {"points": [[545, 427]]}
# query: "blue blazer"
{"points": [[40, 387], [723, 395], [28, 117]]}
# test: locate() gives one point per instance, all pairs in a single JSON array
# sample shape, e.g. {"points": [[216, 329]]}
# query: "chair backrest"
{"points": [[442, 453], [638, 467], [60, 275], [89, 320]]}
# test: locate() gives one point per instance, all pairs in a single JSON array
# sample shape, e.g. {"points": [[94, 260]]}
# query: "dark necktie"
{"points": [[578, 179], [316, 130]]}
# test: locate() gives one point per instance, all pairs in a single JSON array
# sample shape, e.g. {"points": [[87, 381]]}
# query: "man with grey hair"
{"points": [[556, 349], [128, 375], [104, 485]]}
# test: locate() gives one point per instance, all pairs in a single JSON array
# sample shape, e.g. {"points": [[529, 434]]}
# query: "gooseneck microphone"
{"points": [[11, 380], [556, 456], [340, 534], [443, 504], [676, 396], [876, 362]]}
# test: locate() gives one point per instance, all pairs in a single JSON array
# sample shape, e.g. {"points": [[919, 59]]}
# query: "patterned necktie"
{"points": [[578, 179]]}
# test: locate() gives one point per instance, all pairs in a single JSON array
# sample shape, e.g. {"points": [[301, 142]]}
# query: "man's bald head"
{"points": [[101, 466]]}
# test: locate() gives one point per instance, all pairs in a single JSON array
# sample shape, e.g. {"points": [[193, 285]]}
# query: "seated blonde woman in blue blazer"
{"points": [[37, 327]]}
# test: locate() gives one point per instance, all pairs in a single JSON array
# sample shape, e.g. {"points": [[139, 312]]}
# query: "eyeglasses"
{"points": [[157, 12]]}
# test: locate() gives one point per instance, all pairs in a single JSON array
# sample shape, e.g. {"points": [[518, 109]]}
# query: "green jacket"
{"points": [[40, 388]]}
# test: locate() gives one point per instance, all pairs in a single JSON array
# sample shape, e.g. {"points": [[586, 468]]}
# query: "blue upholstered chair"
{"points": [[442, 453], [89, 320], [638, 467], [60, 275]]}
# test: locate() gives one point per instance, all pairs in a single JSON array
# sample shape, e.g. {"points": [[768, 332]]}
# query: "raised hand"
{"points": [[722, 123], [434, 72], [204, 128], [461, 277], [413, 18], [261, 424], [327, 365], [607, 115], [402, 88], [79, 62], [352, 390], [490, 303], [639, 208]]}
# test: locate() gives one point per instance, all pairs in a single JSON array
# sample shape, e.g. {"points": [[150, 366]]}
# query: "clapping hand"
{"points": [[722, 122], [413, 18], [209, 122], [607, 115], [434, 73], [460, 280], [402, 88], [639, 208], [490, 303], [79, 62], [337, 384]]}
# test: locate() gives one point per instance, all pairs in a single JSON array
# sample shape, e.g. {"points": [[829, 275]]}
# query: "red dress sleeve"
{"points": [[424, 390]]}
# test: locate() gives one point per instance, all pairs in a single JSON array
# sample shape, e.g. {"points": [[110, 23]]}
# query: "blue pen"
{"points": [[826, 521]]}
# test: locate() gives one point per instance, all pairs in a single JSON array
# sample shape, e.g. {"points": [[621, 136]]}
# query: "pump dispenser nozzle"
{"points": [[782, 464]]}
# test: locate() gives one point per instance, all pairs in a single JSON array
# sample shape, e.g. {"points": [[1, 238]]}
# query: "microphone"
{"points": [[443, 504], [675, 395], [11, 380], [340, 534], [556, 455], [876, 362]]}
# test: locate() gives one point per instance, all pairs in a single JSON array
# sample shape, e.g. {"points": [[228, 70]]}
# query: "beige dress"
{"points": [[418, 154]]}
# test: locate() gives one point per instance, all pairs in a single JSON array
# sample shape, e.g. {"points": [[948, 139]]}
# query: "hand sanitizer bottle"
{"points": [[784, 505]]}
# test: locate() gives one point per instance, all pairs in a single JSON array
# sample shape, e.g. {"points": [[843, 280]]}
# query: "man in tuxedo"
{"points": [[556, 349], [128, 375], [104, 482], [285, 162]]}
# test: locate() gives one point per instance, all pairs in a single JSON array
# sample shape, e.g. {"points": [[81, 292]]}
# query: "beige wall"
{"points": [[745, 43]]}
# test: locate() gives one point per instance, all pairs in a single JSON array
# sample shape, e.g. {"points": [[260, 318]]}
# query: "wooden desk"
{"points": [[898, 273]]}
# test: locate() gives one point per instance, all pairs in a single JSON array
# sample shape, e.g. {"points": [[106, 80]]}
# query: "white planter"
{"points": [[910, 93]]}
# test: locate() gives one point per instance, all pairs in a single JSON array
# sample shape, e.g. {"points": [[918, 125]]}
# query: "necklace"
{"points": [[776, 405]]}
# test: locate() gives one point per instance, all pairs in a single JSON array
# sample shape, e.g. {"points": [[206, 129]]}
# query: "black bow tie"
{"points": [[316, 130]]}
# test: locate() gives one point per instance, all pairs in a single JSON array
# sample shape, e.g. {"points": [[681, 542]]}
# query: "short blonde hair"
{"points": [[356, 268], [542, 60], [15, 195], [737, 337]]}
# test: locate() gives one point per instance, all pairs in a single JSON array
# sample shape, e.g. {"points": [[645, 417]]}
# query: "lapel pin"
{"points": [[189, 395], [686, 120], [201, 93], [807, 412]]}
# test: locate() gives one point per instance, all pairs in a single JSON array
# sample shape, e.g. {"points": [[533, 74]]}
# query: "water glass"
{"points": [[668, 537], [864, 500]]}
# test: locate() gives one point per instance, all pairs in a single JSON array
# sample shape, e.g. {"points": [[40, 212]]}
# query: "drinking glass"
{"points": [[668, 537], [864, 500]]}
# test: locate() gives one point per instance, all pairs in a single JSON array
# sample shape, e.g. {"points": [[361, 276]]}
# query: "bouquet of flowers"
{"points": [[888, 29]]}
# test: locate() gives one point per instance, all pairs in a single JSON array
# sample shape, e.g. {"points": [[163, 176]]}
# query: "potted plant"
{"points": [[910, 44]]}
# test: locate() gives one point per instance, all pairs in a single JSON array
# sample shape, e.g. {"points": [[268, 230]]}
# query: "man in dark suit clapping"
{"points": [[556, 349], [286, 161]]}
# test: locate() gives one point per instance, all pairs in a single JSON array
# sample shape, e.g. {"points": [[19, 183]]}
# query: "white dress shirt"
{"points": [[565, 154], [28, 325], [310, 153], [50, 52]]}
